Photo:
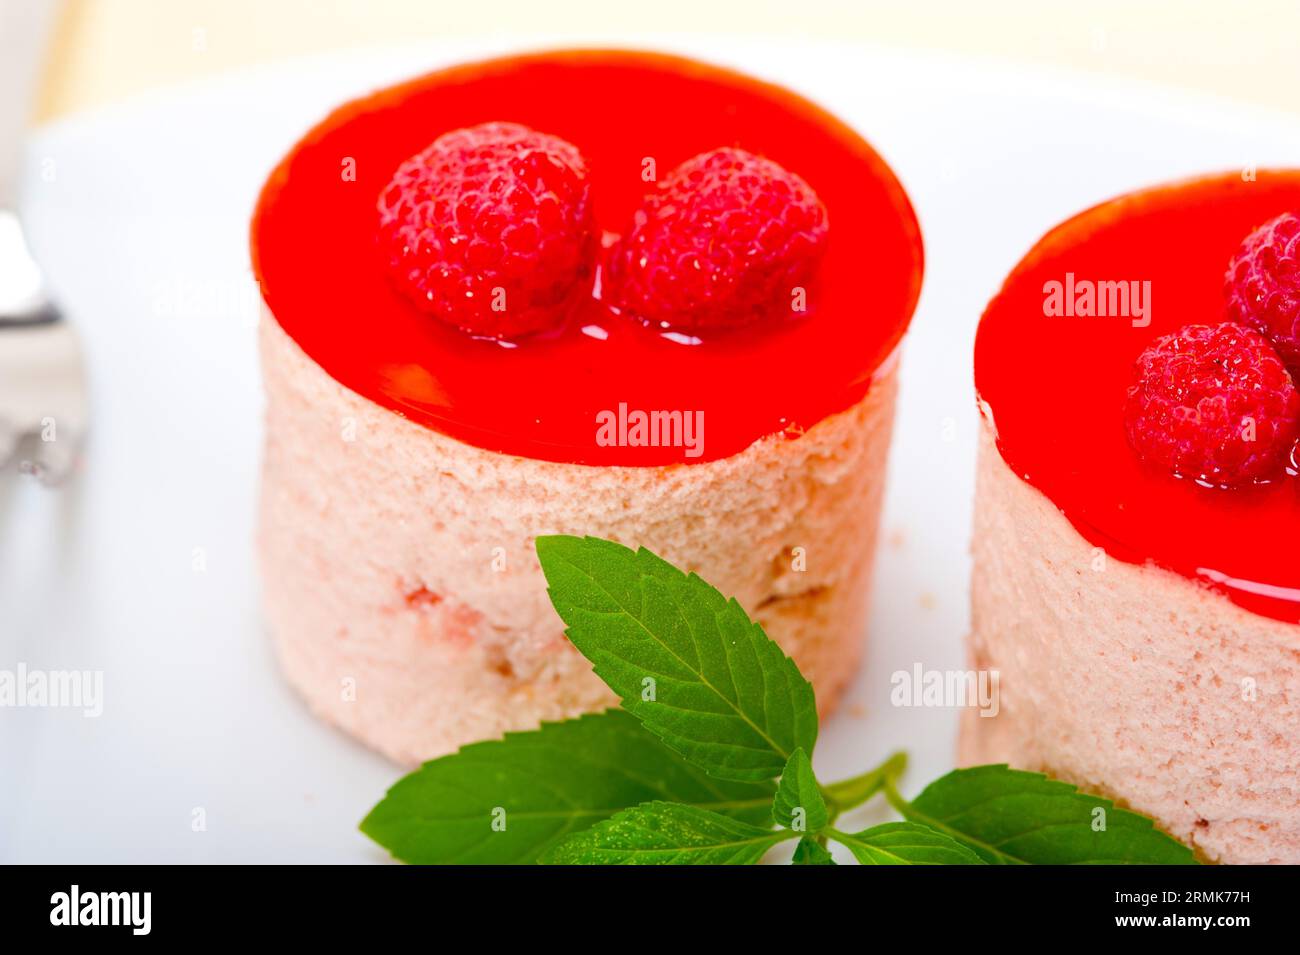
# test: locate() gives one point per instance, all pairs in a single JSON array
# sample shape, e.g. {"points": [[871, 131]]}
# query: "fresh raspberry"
{"points": [[724, 240], [1263, 285], [1213, 403], [490, 229]]}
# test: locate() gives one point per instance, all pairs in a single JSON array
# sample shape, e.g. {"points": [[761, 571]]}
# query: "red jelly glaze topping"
{"points": [[1055, 387], [313, 241]]}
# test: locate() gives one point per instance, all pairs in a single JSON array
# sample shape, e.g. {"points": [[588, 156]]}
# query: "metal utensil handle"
{"points": [[25, 27]]}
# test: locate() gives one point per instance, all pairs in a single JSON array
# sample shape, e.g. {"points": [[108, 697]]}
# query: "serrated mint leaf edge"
{"points": [[810, 852], [856, 841], [788, 671], [798, 789], [760, 731], [910, 812], [476, 752], [758, 837]]}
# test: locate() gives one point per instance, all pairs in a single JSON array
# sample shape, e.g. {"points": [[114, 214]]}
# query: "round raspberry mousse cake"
{"points": [[597, 293], [1135, 581]]}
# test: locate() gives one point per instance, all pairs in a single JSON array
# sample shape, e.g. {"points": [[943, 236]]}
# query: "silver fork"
{"points": [[42, 382]]}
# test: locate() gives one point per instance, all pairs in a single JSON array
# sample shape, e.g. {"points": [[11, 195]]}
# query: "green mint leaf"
{"points": [[799, 804], [665, 833], [811, 852], [906, 843], [541, 786], [686, 661], [1009, 816]]}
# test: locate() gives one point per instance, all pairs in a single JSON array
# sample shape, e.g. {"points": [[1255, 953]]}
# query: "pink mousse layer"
{"points": [[1131, 680], [405, 598]]}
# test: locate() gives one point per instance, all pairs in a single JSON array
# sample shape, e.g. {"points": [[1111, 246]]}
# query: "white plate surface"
{"points": [[143, 568]]}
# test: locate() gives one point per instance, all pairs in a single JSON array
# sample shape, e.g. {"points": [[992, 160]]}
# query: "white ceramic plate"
{"points": [[143, 568]]}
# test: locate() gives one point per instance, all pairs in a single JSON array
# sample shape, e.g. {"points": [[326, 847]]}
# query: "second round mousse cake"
{"points": [[596, 293], [1136, 583]]}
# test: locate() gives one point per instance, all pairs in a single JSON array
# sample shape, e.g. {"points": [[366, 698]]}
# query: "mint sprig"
{"points": [[686, 661], [714, 712]]}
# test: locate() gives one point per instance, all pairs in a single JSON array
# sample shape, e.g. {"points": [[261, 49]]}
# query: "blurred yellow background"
{"points": [[109, 49]]}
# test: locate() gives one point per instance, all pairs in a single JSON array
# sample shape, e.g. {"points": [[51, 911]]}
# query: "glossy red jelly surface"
{"points": [[314, 255], [1056, 386]]}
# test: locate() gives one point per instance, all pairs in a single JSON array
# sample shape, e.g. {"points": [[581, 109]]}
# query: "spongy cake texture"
{"points": [[1132, 681], [404, 595]]}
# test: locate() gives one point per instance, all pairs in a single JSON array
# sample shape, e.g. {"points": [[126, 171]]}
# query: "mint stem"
{"points": [[848, 793], [901, 805]]}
